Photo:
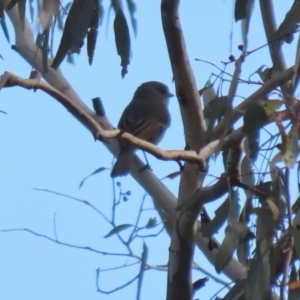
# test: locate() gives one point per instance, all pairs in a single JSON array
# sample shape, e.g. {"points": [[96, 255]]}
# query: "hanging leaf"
{"points": [[101, 12], [289, 148], [132, 9], [75, 30], [246, 22], [152, 222], [258, 279], [235, 207], [256, 112], [93, 32], [91, 43], [296, 75], [116, 4], [296, 236], [271, 105], [243, 252], [45, 49], [31, 10], [279, 193], [94, 173], [142, 270], [251, 146], [213, 112], [82, 25], [4, 27], [289, 25], [247, 176], [67, 36], [118, 229], [210, 228], [122, 38], [264, 73], [235, 233], [208, 92], [260, 111], [240, 9], [1, 10], [273, 208], [247, 211]]}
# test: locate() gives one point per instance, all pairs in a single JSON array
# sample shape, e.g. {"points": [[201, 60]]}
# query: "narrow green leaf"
{"points": [[296, 236], [251, 146], [142, 270], [240, 9], [246, 22], [152, 222], [92, 174], [4, 28], [132, 9], [287, 28], [31, 10], [122, 39], [118, 229], [235, 233], [221, 214], [289, 148], [258, 279], [82, 24], [93, 32]]}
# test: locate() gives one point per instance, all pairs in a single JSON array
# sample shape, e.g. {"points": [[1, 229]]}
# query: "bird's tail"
{"points": [[123, 163]]}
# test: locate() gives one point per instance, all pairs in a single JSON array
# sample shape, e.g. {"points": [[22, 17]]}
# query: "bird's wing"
{"points": [[147, 129]]}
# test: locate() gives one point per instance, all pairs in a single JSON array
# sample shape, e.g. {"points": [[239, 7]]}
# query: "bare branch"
{"points": [[261, 92], [279, 64]]}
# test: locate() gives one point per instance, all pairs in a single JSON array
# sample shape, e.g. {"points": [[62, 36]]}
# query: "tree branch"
{"points": [[279, 64], [182, 246], [164, 200]]}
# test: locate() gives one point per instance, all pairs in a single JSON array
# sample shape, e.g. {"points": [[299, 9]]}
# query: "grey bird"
{"points": [[146, 117]]}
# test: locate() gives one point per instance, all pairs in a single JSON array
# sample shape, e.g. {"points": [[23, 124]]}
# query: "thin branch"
{"points": [[65, 244], [279, 64], [182, 247], [11, 80], [210, 275], [77, 200], [54, 226], [131, 237], [261, 92], [288, 257], [230, 97], [113, 290]]}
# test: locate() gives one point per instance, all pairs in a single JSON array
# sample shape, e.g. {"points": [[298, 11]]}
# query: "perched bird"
{"points": [[146, 117]]}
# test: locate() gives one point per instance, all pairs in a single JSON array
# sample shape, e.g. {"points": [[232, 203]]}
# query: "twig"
{"points": [[77, 200], [54, 226], [289, 255]]}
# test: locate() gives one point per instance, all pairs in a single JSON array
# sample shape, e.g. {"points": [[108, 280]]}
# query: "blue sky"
{"points": [[44, 147]]}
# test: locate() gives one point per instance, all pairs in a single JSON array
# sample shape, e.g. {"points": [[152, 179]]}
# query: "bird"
{"points": [[146, 117]]}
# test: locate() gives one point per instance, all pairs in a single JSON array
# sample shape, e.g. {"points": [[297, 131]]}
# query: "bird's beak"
{"points": [[170, 95]]}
